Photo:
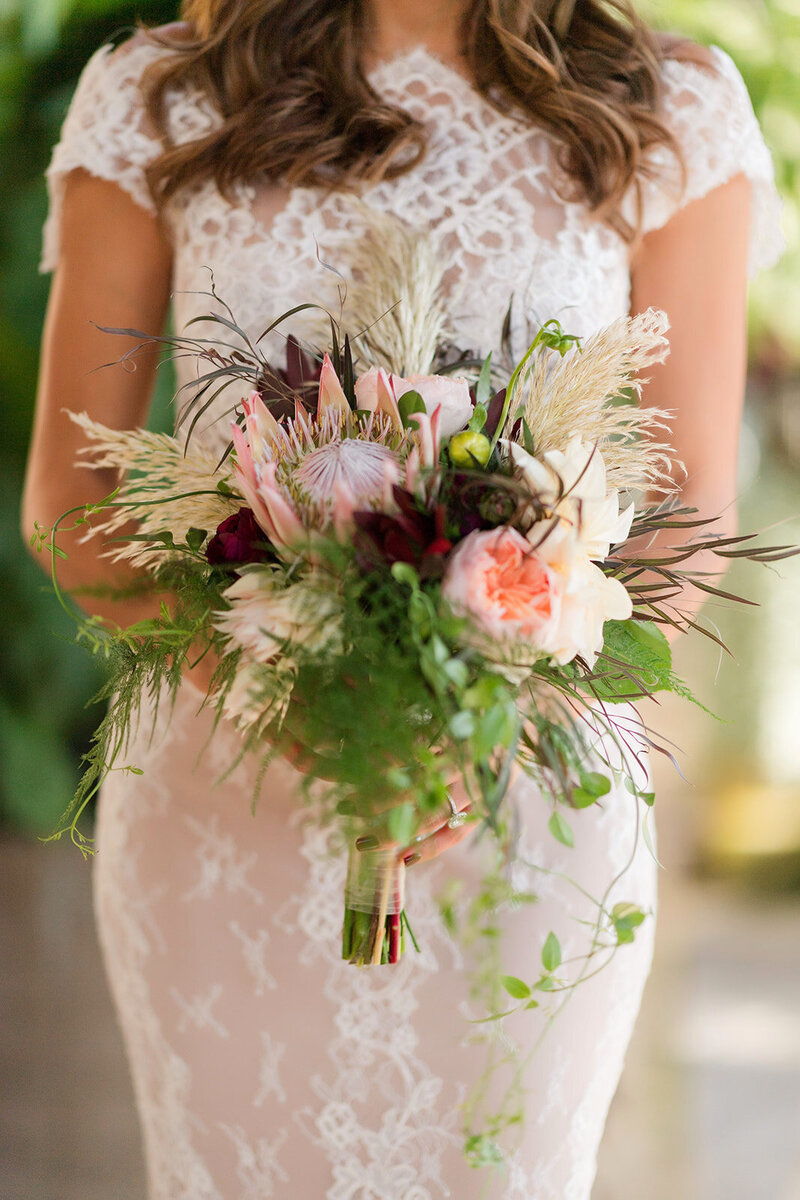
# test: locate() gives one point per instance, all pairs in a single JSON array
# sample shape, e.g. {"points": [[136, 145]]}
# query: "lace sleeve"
{"points": [[105, 132], [712, 117]]}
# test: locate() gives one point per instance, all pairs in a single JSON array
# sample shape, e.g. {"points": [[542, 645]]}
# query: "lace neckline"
{"points": [[422, 60]]}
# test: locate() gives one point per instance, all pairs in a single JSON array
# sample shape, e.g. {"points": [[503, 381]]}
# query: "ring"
{"points": [[457, 818]]}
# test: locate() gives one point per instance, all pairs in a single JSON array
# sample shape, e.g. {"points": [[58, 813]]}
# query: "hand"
{"points": [[436, 836]]}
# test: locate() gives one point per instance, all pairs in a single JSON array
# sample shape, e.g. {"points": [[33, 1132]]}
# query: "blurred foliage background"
{"points": [[45, 681]]}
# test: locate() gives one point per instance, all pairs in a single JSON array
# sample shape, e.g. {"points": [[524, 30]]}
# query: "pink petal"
{"points": [[331, 396], [427, 436], [412, 470], [285, 521], [247, 482], [387, 403], [261, 425], [344, 505]]}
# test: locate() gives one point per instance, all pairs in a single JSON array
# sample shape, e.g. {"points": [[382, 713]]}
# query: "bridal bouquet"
{"points": [[420, 575]]}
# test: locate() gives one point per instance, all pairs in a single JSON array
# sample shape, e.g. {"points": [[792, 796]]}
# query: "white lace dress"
{"points": [[264, 1066]]}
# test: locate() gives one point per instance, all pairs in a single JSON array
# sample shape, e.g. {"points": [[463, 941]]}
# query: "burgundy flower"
{"points": [[410, 536], [238, 540]]}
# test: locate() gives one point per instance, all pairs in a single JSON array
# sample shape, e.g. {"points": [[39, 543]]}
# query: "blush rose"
{"points": [[501, 582]]}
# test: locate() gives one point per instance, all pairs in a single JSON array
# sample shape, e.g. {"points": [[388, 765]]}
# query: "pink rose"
{"points": [[367, 390], [501, 582], [450, 395]]}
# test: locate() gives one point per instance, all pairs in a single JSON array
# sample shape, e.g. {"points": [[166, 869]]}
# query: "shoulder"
{"points": [[701, 79], [115, 86], [125, 65], [706, 106], [674, 48]]}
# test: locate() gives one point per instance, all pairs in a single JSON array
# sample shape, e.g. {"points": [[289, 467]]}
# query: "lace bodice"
{"points": [[487, 188]]}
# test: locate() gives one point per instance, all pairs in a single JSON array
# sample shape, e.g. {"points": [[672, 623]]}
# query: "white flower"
{"points": [[267, 617], [447, 393], [589, 597], [572, 483]]}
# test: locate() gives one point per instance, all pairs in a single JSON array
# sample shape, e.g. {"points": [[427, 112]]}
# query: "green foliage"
{"points": [[45, 680], [636, 661], [400, 684]]}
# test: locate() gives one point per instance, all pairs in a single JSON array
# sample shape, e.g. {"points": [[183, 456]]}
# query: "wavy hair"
{"points": [[287, 79]]}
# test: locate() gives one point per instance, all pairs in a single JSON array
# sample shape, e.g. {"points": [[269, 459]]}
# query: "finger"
{"points": [[426, 827], [443, 839]]}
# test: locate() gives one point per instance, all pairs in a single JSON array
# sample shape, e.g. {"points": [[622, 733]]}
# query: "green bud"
{"points": [[469, 449]]}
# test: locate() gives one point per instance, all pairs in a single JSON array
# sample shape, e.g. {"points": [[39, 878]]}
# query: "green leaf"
{"points": [[495, 728], [457, 672], [626, 919], [483, 388], [595, 784], [462, 725], [516, 988], [646, 657], [408, 404], [195, 539], [484, 691], [481, 1151], [583, 799], [402, 823], [560, 830], [649, 798], [399, 779], [527, 438], [478, 418], [551, 953], [405, 573]]}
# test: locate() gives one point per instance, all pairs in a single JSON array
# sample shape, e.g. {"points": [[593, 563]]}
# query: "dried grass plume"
{"points": [[156, 467], [394, 295], [593, 392]]}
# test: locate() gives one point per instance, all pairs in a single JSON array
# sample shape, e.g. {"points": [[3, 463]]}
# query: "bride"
{"points": [[560, 153]]}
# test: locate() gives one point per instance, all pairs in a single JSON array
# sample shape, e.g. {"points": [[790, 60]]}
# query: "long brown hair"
{"points": [[287, 79]]}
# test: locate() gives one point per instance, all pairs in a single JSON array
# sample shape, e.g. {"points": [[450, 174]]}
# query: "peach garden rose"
{"points": [[501, 582]]}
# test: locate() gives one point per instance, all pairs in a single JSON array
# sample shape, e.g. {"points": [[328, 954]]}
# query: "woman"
{"points": [[561, 153]]}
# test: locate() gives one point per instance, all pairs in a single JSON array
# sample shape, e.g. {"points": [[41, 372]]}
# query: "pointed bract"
{"points": [[331, 393], [262, 428]]}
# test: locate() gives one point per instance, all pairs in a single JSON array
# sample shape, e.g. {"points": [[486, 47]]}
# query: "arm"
{"points": [[695, 269], [115, 268]]}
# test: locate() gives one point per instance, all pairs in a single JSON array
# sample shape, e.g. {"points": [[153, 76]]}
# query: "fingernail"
{"points": [[367, 843], [410, 859]]}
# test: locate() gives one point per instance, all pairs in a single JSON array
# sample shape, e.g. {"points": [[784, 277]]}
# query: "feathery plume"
{"points": [[394, 297], [583, 395], [156, 468]]}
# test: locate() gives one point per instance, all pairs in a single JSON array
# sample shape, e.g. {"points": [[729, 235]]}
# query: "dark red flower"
{"points": [[411, 536], [238, 540]]}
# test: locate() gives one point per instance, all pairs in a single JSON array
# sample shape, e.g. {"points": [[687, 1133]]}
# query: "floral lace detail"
{"points": [[378, 1117]]}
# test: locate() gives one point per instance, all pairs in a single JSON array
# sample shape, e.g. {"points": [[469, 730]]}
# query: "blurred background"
{"points": [[710, 1105]]}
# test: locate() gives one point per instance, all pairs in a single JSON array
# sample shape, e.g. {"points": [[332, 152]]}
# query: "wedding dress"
{"points": [[264, 1066]]}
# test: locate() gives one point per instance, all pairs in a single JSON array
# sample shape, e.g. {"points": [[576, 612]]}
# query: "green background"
{"points": [[44, 680]]}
